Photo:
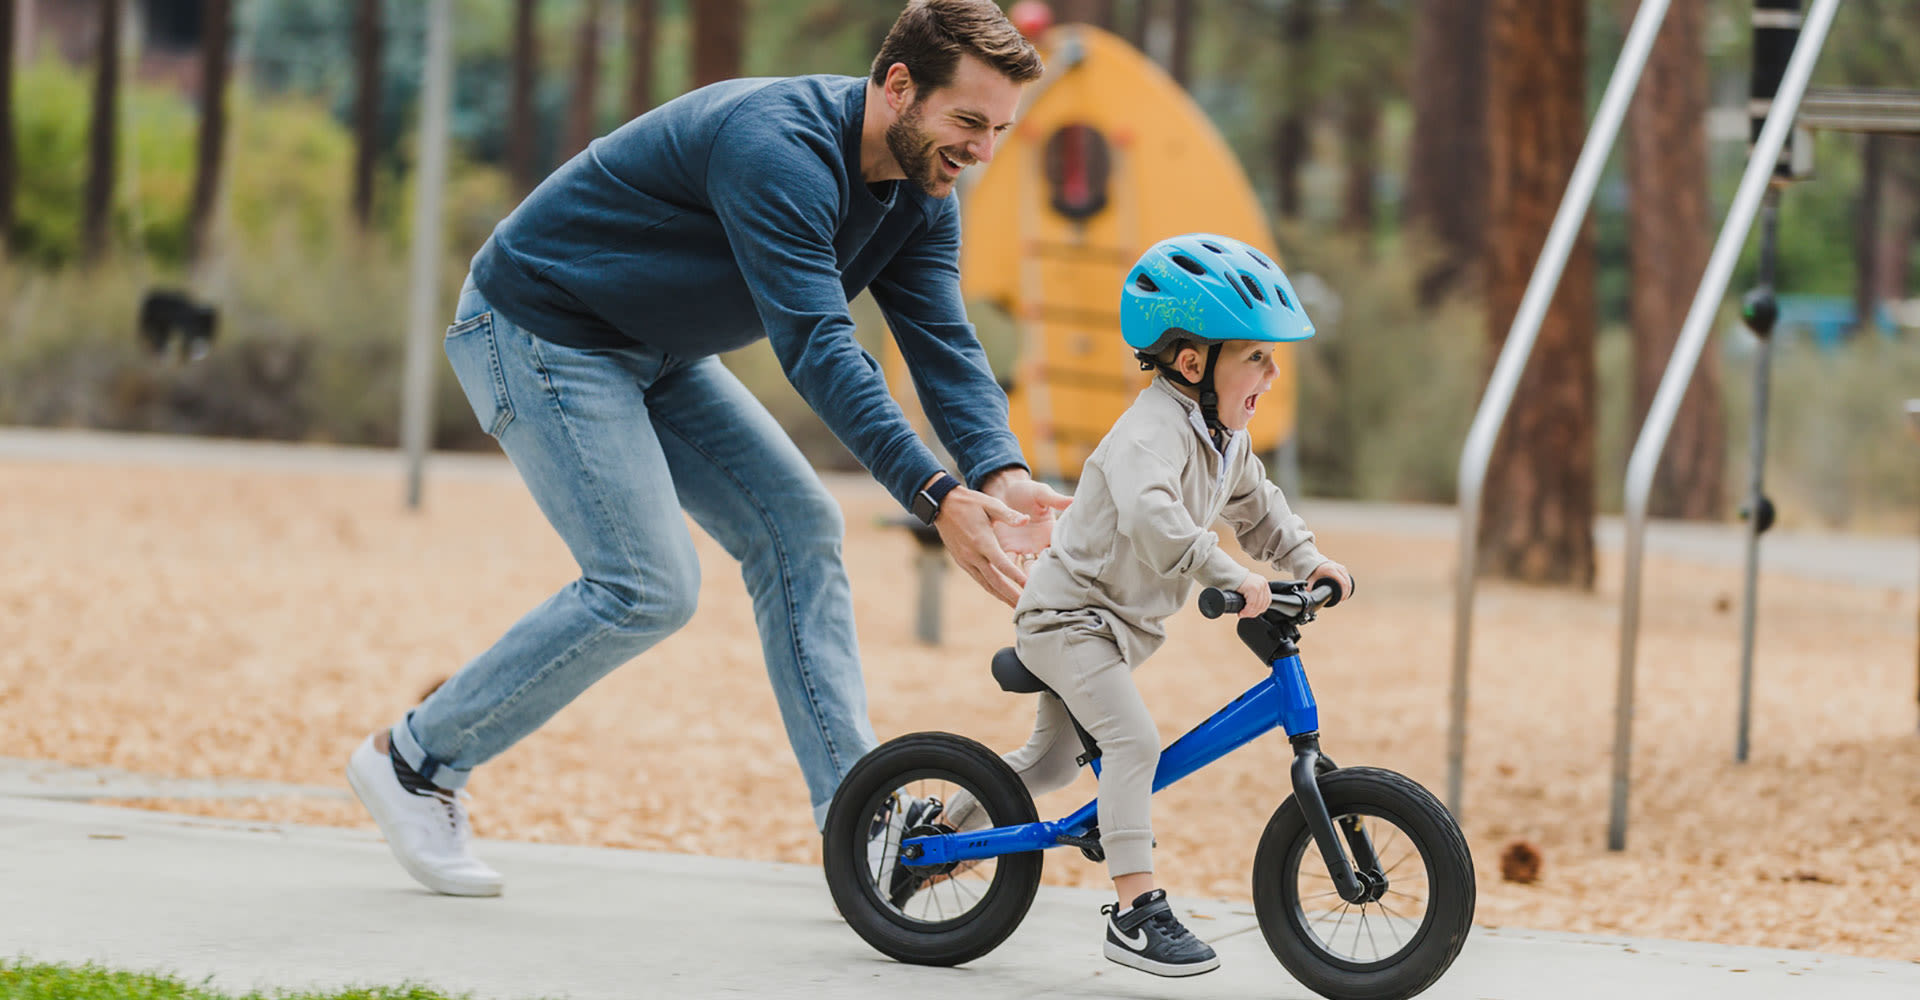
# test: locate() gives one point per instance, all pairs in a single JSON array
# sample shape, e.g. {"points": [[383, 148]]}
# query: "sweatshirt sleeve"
{"points": [[1144, 481], [780, 224], [919, 292], [1266, 526]]}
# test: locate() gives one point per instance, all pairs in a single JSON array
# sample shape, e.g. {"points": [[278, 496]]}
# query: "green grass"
{"points": [[38, 981]]}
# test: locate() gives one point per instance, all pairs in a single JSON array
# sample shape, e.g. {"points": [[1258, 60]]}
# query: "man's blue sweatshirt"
{"points": [[738, 211]]}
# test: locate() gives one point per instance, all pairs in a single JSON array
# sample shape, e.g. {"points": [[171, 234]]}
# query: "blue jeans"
{"points": [[614, 444]]}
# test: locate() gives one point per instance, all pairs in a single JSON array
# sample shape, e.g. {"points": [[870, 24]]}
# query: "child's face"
{"points": [[1245, 371]]}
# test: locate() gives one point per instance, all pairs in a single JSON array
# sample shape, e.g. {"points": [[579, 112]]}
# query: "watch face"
{"points": [[924, 507]]}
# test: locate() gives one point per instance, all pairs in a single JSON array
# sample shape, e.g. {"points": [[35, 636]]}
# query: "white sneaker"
{"points": [[429, 834]]}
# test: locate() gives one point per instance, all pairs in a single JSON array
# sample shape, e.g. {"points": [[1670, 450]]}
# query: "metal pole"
{"points": [[1759, 508], [1673, 385], [1514, 353], [422, 306]]}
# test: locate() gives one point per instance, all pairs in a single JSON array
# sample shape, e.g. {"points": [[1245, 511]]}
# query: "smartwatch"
{"points": [[926, 502]]}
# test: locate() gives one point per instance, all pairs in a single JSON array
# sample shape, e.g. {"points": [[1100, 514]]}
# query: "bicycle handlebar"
{"points": [[1215, 602]]}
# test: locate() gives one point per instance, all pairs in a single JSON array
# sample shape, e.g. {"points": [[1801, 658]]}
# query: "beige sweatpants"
{"points": [[1076, 654]]}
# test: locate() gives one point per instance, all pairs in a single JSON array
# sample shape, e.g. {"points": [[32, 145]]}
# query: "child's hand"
{"points": [[1258, 595], [1335, 572]]}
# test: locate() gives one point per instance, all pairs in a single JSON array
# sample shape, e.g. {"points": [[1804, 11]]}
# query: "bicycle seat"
{"points": [[1012, 675]]}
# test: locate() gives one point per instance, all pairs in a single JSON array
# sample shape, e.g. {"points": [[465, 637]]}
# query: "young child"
{"points": [[1206, 311]]}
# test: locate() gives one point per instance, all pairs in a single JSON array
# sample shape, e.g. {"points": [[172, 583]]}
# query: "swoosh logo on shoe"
{"points": [[1137, 940]]}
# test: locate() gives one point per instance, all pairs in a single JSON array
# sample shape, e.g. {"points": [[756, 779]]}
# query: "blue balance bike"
{"points": [[1362, 882]]}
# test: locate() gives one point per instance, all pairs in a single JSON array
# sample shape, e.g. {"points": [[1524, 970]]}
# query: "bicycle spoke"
{"points": [[1370, 940], [1392, 917]]}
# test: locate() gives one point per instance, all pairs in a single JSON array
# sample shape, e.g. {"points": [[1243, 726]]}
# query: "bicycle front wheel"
{"points": [[928, 915], [1384, 948]]}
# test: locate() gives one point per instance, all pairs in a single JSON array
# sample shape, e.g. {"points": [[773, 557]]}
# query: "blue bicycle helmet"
{"points": [[1207, 289]]}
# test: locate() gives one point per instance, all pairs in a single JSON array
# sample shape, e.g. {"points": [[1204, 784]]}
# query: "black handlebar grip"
{"points": [[1215, 602]]}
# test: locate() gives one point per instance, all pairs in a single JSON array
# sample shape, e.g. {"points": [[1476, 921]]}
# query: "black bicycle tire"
{"points": [[843, 847], [1451, 886]]}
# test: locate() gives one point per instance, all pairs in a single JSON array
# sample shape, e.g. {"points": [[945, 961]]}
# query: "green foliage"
{"points": [[22, 980], [288, 163], [1387, 386]]}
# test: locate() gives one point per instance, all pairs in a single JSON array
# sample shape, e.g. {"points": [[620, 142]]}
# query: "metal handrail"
{"points": [[1673, 385], [1485, 431]]}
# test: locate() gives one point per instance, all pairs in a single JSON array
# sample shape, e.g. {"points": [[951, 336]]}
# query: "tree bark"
{"points": [[1447, 156], [1135, 29], [1290, 134], [1667, 240], [1180, 59], [642, 22], [216, 41], [98, 202], [582, 120], [1537, 521], [1899, 217], [1360, 130], [719, 35], [366, 108], [9, 178], [521, 140]]}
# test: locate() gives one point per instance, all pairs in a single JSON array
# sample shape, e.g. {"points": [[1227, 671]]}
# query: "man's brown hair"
{"points": [[931, 36]]}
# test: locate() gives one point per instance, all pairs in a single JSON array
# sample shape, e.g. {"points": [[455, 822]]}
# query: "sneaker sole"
{"points": [[438, 883], [1134, 960]]}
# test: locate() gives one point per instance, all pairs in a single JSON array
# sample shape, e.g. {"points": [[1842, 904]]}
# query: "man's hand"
{"points": [[1018, 490], [1258, 595], [968, 522], [1335, 572]]}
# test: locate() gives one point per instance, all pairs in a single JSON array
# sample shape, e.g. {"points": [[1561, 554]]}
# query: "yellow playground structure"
{"points": [[1109, 155]]}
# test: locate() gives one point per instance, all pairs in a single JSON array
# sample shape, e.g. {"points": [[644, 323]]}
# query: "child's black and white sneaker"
{"points": [[1150, 938]]}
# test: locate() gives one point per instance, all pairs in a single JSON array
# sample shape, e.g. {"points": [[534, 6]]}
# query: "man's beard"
{"points": [[913, 150]]}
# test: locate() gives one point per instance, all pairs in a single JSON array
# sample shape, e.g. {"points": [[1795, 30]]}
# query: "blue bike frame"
{"points": [[1282, 699]]}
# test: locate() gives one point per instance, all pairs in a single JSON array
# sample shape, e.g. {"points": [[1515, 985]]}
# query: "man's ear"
{"points": [[899, 86]]}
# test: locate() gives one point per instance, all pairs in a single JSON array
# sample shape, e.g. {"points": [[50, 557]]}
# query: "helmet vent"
{"points": [[1257, 255], [1144, 283], [1282, 293], [1253, 286], [1243, 294], [1188, 264], [1213, 248]]}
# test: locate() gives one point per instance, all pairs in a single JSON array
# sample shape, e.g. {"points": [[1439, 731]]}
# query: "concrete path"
{"points": [[266, 906]]}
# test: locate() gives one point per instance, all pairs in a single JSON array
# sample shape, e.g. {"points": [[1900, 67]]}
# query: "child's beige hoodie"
{"points": [[1138, 535]]}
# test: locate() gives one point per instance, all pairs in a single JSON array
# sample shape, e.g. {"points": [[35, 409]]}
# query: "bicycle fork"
{"points": [[1359, 880]]}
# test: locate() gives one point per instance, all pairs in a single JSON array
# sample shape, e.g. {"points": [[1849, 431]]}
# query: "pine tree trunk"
{"points": [[1290, 136], [1180, 61], [521, 137], [1900, 218], [582, 122], [1135, 29], [216, 39], [97, 206], [8, 169], [1360, 130], [1667, 240], [719, 33], [366, 108], [642, 22], [1537, 521], [1447, 156]]}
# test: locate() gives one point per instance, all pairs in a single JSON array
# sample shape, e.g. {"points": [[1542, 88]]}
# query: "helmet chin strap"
{"points": [[1209, 400]]}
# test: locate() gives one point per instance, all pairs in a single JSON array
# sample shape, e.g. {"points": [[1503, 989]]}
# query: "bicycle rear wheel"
{"points": [[1387, 948], [928, 915]]}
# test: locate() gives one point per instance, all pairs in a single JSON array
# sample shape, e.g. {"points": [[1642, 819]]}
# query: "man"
{"points": [[585, 340]]}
